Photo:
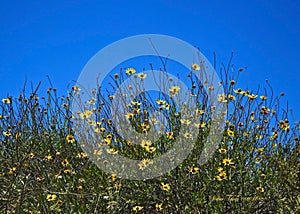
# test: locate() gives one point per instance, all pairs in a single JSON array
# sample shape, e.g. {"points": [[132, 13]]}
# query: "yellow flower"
{"points": [[284, 125], [230, 133], [91, 101], [51, 197], [137, 208], [6, 133], [142, 75], [158, 207], [67, 171], [59, 203], [113, 177], [252, 96], [48, 158], [129, 115], [144, 163], [169, 135], [160, 102], [165, 187], [150, 149], [222, 98], [186, 122], [220, 169], [6, 100], [70, 138], [81, 155], [130, 71], [223, 151], [200, 125], [263, 97], [118, 185], [112, 151], [227, 161], [167, 106], [260, 189], [238, 91], [65, 163], [221, 176], [195, 67], [231, 97], [199, 111], [259, 149], [246, 134], [12, 170], [18, 135], [194, 170], [75, 88], [86, 114], [99, 130], [31, 155], [174, 90], [188, 135], [135, 104]]}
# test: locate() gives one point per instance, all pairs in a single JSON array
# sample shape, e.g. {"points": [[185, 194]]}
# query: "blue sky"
{"points": [[57, 38]]}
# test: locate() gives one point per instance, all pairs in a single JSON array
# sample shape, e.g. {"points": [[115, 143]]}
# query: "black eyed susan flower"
{"points": [[130, 71], [86, 114], [284, 125], [188, 135], [142, 75], [81, 155], [150, 149], [144, 163], [169, 135], [174, 90], [165, 187], [146, 143], [221, 176], [12, 170], [227, 161], [160, 102], [260, 189], [222, 151], [59, 203], [199, 111], [195, 67], [158, 207], [7, 133], [252, 96], [48, 158], [51, 197], [230, 133], [67, 171], [263, 97], [70, 139], [238, 91], [167, 106], [137, 208], [194, 170], [259, 150], [112, 151], [118, 185], [6, 100], [113, 177], [65, 163], [220, 169], [31, 155]]}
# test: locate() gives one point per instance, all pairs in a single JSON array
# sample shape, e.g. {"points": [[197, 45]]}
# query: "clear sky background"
{"points": [[57, 38]]}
